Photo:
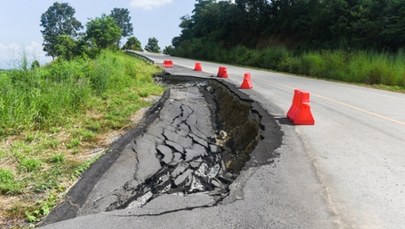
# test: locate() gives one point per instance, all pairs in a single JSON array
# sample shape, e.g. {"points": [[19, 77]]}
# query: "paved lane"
{"points": [[357, 147], [347, 171]]}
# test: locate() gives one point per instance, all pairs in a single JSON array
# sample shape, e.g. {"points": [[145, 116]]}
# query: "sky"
{"points": [[20, 30]]}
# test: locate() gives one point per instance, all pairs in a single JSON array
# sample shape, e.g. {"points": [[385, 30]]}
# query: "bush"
{"points": [[272, 57]]}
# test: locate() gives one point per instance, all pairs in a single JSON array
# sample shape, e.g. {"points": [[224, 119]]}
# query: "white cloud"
{"points": [[149, 4], [12, 54]]}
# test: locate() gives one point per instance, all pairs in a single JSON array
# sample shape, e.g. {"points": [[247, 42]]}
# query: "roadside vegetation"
{"points": [[365, 67], [352, 41], [56, 120]]}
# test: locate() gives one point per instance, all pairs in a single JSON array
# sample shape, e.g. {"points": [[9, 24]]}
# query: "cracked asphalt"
{"points": [[178, 172], [176, 155]]}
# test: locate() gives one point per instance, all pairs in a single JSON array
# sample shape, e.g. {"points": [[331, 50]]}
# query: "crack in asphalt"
{"points": [[197, 139], [174, 210], [190, 161]]}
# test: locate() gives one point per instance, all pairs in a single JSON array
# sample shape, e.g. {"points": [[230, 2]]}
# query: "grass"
{"points": [[386, 70], [53, 118]]}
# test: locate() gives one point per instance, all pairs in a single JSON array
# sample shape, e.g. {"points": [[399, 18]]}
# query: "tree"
{"points": [[35, 64], [103, 32], [168, 50], [65, 47], [123, 20], [133, 43], [152, 45], [56, 21]]}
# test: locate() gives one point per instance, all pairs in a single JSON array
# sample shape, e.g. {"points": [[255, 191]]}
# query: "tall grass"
{"points": [[53, 121], [355, 66], [43, 97]]}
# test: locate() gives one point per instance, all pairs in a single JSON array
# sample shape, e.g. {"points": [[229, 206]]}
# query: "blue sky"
{"points": [[20, 19]]}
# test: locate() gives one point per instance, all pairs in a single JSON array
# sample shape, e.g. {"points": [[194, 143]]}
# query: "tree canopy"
{"points": [[123, 19], [296, 24], [103, 32], [133, 43], [152, 45], [63, 39], [58, 20]]}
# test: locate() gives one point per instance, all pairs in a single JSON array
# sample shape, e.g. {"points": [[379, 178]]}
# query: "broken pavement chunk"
{"points": [[167, 153], [176, 146], [184, 178]]}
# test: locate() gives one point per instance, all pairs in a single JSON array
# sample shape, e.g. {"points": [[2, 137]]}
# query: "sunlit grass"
{"points": [[53, 118], [366, 67]]}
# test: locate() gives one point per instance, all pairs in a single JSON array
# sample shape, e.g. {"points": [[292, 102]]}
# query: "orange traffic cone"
{"points": [[247, 83], [168, 64], [300, 111], [197, 67], [222, 72]]}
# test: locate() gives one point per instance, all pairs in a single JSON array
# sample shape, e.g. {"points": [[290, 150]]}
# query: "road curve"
{"points": [[346, 171], [356, 148]]}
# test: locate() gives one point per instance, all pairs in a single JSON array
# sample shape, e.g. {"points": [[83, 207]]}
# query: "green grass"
{"points": [[365, 67], [51, 120], [8, 184]]}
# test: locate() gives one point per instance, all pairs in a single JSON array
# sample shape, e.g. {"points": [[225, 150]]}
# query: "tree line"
{"points": [[295, 24], [65, 38]]}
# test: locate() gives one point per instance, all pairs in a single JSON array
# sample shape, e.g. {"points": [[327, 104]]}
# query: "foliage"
{"points": [[152, 45], [8, 184], [354, 41], [133, 44], [45, 96], [53, 117], [56, 21], [103, 32], [35, 64], [366, 67], [29, 164], [168, 50], [65, 47], [300, 24], [123, 19]]}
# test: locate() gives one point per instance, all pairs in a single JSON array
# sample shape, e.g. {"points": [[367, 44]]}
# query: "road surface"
{"points": [[357, 146], [346, 171]]}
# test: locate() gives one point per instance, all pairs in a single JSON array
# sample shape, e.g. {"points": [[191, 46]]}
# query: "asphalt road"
{"points": [[346, 171], [357, 146]]}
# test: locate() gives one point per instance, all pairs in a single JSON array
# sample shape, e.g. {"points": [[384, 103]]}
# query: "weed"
{"points": [[8, 185], [83, 167], [93, 126], [29, 164], [58, 158], [73, 143], [144, 94], [84, 134], [49, 143], [42, 208]]}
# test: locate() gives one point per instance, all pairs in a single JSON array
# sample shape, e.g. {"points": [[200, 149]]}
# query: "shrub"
{"points": [[271, 57]]}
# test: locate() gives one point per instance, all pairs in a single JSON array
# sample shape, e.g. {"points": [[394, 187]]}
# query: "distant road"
{"points": [[357, 146], [346, 171]]}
